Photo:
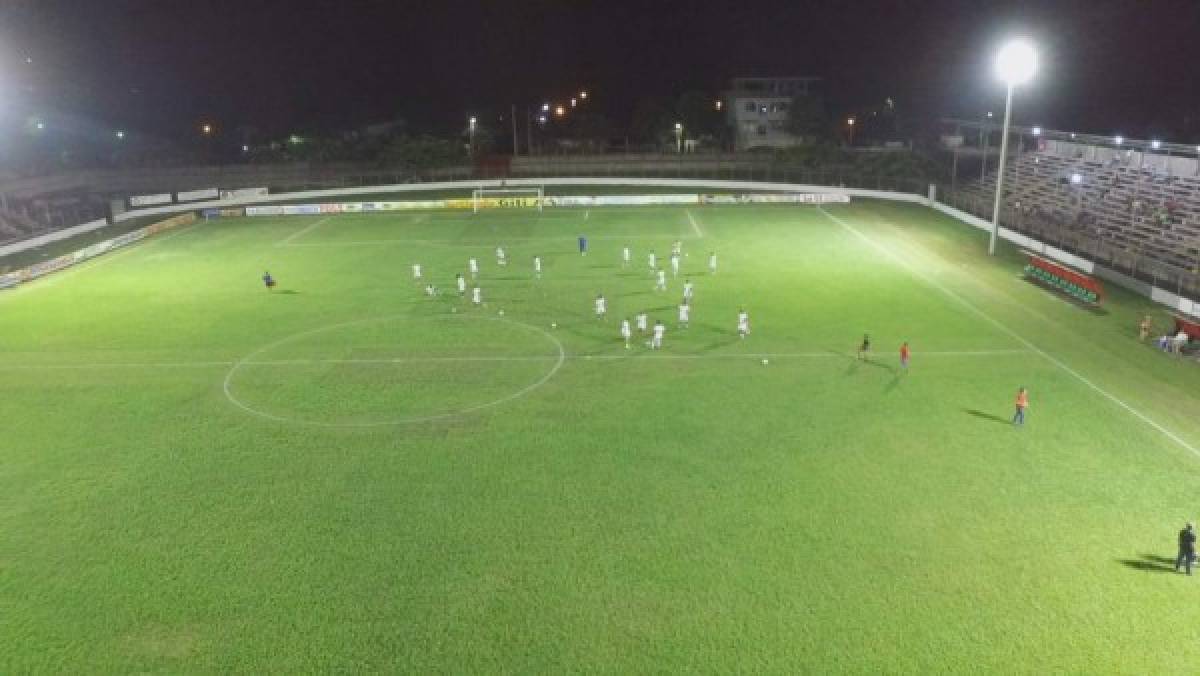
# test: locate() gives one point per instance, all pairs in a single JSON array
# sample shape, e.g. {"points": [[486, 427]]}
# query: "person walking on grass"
{"points": [[626, 332], [1022, 404], [1187, 549], [864, 349], [1144, 328], [626, 256]]}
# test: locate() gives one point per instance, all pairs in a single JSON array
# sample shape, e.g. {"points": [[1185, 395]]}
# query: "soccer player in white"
{"points": [[626, 332], [601, 306], [626, 256], [659, 330], [675, 265], [743, 324], [661, 284], [712, 263], [473, 267], [416, 270], [642, 322], [653, 261], [462, 284], [477, 296], [500, 257], [430, 290], [537, 266], [687, 291], [685, 311], [677, 248]]}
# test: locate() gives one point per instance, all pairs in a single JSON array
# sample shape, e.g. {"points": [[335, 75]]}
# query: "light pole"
{"points": [[471, 137], [850, 130], [1015, 64], [983, 148], [679, 137]]}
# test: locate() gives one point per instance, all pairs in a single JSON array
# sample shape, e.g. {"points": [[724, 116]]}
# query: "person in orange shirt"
{"points": [[1022, 404], [904, 355]]}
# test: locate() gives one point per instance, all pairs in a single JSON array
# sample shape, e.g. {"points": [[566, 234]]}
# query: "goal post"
{"points": [[507, 198]]}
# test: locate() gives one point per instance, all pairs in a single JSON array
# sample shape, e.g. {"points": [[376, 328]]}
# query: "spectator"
{"points": [[1187, 549]]}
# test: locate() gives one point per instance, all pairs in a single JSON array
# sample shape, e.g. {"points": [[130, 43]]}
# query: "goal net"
{"points": [[507, 198]]}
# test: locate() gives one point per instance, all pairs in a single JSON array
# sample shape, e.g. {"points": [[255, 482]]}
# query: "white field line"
{"points": [[695, 226], [586, 214], [497, 358], [451, 242], [302, 232], [1005, 329]]}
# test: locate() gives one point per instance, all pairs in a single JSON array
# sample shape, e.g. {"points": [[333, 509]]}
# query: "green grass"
{"points": [[623, 511]]}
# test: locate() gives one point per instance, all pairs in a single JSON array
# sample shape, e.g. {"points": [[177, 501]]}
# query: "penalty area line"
{"points": [[1005, 329], [695, 225], [302, 232]]}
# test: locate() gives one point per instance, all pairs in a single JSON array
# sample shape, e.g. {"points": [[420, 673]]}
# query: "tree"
{"points": [[807, 117], [653, 120], [699, 115]]}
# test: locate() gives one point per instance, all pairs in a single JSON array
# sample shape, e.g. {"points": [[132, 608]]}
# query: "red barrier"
{"points": [[1189, 326], [1077, 278]]}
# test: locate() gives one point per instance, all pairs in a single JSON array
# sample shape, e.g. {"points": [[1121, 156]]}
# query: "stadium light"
{"points": [[718, 104], [850, 130], [1072, 135], [40, 125], [545, 107], [679, 137], [245, 148], [1015, 64], [542, 119], [1037, 131], [1076, 179], [583, 95], [471, 136], [574, 101], [1119, 140], [1156, 144], [120, 134], [206, 129]]}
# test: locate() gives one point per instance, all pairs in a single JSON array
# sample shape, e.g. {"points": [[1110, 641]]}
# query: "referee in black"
{"points": [[1187, 548]]}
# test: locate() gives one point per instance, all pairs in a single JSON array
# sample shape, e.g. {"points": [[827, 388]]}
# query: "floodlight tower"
{"points": [[1016, 63], [679, 137], [471, 136]]}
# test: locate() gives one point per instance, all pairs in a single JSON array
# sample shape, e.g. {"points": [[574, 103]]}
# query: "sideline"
{"points": [[1005, 329], [302, 232], [695, 225]]}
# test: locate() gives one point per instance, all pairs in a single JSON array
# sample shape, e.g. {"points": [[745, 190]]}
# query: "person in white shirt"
{"points": [[642, 320], [477, 296], [674, 265], [712, 263], [1181, 341], [430, 290], [626, 332], [659, 330], [501, 259], [626, 256], [537, 266], [743, 324], [416, 267], [688, 291], [601, 307], [661, 284], [462, 284], [473, 267], [685, 312], [677, 248], [653, 259]]}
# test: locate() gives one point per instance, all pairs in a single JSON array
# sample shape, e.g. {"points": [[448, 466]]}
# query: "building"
{"points": [[757, 109]]}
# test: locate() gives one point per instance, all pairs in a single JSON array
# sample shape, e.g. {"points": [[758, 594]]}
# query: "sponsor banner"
{"points": [[150, 200], [616, 200], [330, 208], [94, 250], [127, 238], [302, 209], [351, 207], [243, 193], [10, 280], [236, 212], [273, 210], [193, 195], [172, 222]]}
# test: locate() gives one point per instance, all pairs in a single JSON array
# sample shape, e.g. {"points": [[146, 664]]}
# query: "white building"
{"points": [[757, 109]]}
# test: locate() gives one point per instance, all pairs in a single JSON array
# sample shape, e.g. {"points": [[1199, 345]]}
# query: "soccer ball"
{"points": [[502, 313], [765, 362], [554, 325]]}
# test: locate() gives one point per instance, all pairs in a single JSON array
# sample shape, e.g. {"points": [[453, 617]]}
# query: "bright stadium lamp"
{"points": [[1037, 131], [1156, 144], [1119, 140], [678, 137], [545, 107], [120, 134], [574, 102], [1015, 64], [560, 111]]}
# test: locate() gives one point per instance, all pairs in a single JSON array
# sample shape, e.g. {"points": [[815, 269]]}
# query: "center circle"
{"points": [[393, 370]]}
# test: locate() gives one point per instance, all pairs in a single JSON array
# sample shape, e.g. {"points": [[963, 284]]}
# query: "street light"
{"points": [[850, 128], [560, 111], [471, 136], [718, 104], [1016, 63], [545, 107], [120, 134], [583, 95], [679, 137], [574, 101]]}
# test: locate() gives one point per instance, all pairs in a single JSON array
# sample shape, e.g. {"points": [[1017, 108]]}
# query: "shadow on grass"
{"points": [[987, 416], [856, 363], [288, 292], [1150, 564]]}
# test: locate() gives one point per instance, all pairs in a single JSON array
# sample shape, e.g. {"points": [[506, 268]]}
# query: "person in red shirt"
{"points": [[1022, 404], [904, 355]]}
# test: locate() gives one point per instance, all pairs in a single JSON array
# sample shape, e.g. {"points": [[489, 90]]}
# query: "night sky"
{"points": [[161, 66]]}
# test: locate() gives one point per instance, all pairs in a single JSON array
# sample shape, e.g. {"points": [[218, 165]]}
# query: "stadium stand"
{"points": [[1130, 200]]}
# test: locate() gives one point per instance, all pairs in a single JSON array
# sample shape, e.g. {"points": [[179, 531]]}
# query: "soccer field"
{"points": [[345, 474]]}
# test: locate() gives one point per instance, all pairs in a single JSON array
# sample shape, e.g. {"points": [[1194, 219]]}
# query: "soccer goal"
{"points": [[507, 198]]}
